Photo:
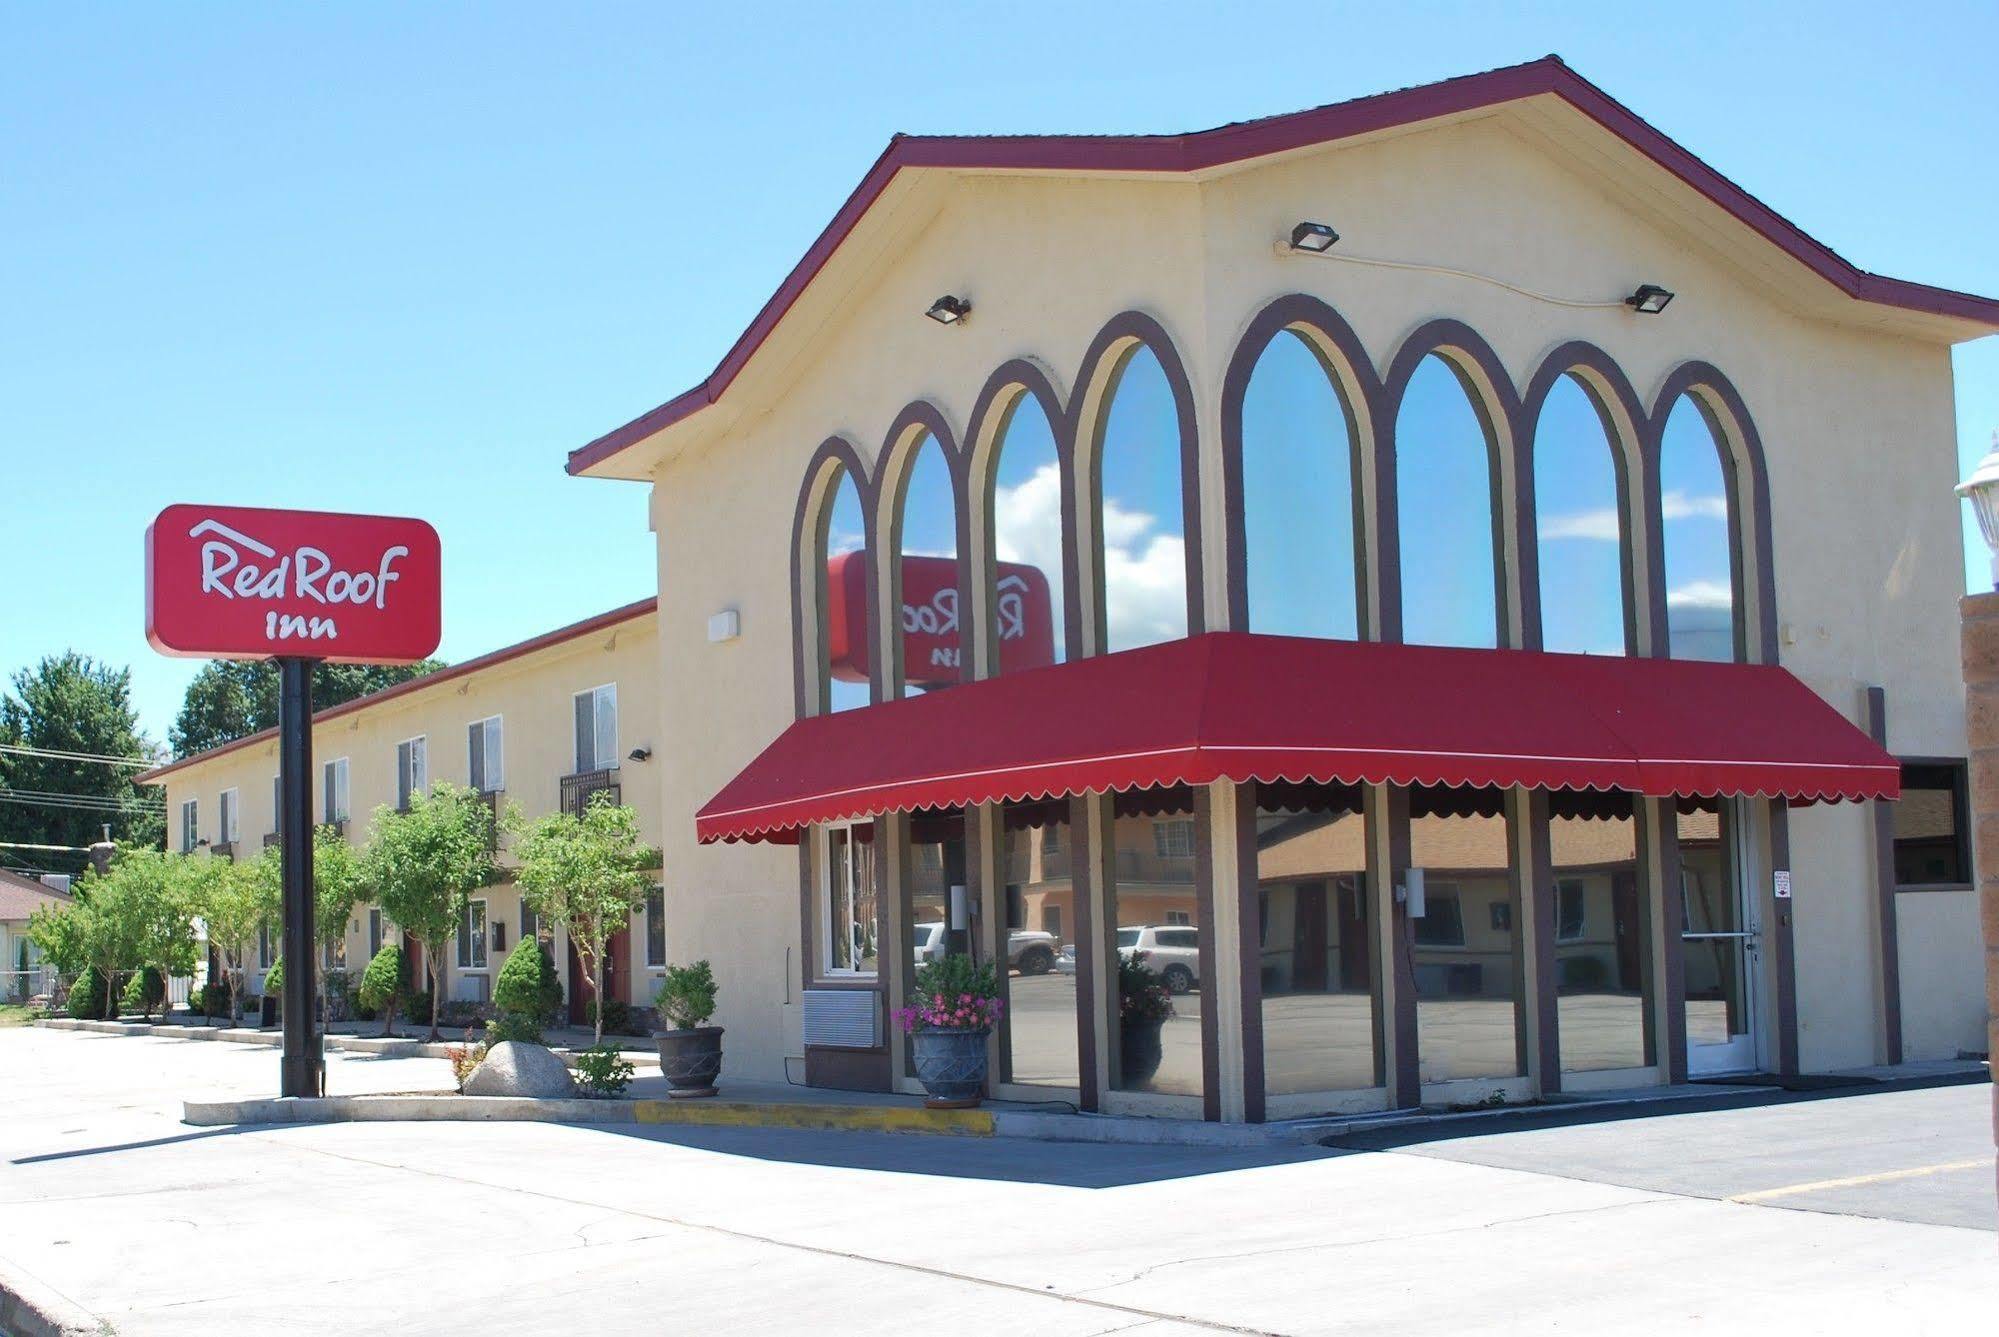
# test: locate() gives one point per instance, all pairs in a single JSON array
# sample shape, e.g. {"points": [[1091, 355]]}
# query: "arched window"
{"points": [[1696, 525], [1141, 525], [1298, 491], [1027, 520], [927, 535], [1443, 498], [843, 602], [1579, 526]]}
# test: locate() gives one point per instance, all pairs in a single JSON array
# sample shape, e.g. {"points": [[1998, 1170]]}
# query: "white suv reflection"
{"points": [[1173, 951]]}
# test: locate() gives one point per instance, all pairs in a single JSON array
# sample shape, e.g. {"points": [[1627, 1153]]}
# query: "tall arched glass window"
{"points": [[1695, 523], [1298, 495], [1141, 524], [931, 629], [843, 599], [1579, 526], [1443, 499], [1027, 589]]}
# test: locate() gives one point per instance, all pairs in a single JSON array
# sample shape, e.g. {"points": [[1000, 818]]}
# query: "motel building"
{"points": [[1463, 586], [542, 726]]}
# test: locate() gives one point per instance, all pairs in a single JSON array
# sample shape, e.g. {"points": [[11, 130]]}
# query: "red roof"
{"points": [[1208, 149], [491, 659], [1238, 706]]}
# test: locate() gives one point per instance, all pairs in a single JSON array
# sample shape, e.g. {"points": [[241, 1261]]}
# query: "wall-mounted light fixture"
{"points": [[1982, 491], [1649, 300], [639, 754], [724, 626], [949, 309], [1314, 237]]}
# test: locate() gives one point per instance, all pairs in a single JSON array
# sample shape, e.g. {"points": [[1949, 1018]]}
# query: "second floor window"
{"points": [[488, 757], [189, 825], [226, 828], [597, 729], [1173, 839], [333, 795], [412, 770]]}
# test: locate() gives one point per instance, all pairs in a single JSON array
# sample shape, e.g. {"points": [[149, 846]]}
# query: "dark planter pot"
{"points": [[1139, 1052], [951, 1065], [690, 1060]]}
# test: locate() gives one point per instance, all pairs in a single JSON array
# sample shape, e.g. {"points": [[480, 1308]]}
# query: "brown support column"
{"points": [[1784, 958], [1083, 864], [1204, 931], [1887, 934], [1980, 618], [1405, 1077], [1537, 903], [1663, 905], [1249, 948]]}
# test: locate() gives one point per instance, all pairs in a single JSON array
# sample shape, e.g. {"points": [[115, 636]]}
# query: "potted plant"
{"points": [[1144, 1004], [690, 1051], [952, 1009]]}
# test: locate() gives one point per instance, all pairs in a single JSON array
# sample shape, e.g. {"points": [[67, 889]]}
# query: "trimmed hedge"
{"points": [[144, 992], [86, 996], [526, 994]]}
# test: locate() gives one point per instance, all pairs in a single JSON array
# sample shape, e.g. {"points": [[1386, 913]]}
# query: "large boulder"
{"points": [[517, 1068]]}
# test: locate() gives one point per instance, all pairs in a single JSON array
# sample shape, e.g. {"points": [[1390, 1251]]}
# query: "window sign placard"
{"points": [[237, 582]]}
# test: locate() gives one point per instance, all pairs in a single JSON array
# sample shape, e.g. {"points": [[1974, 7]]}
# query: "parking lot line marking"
{"points": [[1884, 1177]]}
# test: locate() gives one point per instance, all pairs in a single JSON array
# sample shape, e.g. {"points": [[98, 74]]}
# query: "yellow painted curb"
{"points": [[856, 1118]]}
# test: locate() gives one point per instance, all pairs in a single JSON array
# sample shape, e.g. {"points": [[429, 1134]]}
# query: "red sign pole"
{"points": [[297, 587]]}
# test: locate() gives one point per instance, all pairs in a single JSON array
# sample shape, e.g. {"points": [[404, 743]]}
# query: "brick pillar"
{"points": [[1980, 615]]}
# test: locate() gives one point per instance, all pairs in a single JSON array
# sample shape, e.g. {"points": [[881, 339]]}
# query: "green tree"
{"points": [[422, 864], [109, 918], [157, 892], [73, 703], [234, 899], [336, 887], [231, 699], [587, 873]]}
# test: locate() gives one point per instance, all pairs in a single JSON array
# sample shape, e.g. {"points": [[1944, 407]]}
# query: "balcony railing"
{"points": [[579, 789], [272, 838], [224, 849]]}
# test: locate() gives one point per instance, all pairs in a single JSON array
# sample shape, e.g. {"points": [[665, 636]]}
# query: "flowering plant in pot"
{"points": [[953, 1007], [1144, 1004], [690, 1050]]}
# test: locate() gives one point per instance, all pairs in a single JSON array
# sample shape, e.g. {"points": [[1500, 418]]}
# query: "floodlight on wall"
{"points": [[639, 754], [1982, 491], [949, 309], [1317, 238], [1649, 300]]}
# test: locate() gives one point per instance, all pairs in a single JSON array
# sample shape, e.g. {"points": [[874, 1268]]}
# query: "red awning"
{"points": [[1237, 706]]}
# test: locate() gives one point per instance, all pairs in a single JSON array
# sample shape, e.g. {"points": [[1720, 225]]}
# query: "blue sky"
{"points": [[401, 259]]}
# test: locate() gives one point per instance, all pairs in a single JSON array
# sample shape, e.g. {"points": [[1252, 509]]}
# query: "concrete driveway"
{"points": [[1690, 1222]]}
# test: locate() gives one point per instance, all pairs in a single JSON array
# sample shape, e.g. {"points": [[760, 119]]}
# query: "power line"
{"points": [[57, 849], [56, 754], [78, 802]]}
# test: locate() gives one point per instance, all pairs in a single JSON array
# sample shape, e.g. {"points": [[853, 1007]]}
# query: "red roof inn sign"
{"points": [[234, 582]]}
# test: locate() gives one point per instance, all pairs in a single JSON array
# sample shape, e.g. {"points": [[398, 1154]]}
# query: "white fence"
{"points": [[18, 986]]}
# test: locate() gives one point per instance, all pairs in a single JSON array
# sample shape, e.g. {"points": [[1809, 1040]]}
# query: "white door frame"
{"points": [[1743, 1051]]}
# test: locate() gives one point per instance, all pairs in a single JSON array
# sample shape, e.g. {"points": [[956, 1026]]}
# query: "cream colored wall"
{"points": [[1940, 935], [1856, 426], [533, 695]]}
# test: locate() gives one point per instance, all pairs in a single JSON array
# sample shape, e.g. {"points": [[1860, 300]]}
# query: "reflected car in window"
{"points": [[1172, 950]]}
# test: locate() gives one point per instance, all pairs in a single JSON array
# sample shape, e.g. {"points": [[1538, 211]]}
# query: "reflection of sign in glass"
{"points": [[931, 626]]}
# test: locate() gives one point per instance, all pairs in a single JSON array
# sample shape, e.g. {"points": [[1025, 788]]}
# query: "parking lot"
{"points": [[1821, 1215]]}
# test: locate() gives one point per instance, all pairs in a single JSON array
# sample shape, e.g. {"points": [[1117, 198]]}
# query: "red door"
{"points": [[615, 955]]}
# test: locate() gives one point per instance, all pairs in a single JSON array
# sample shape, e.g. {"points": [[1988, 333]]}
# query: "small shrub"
{"points": [[603, 1072], [215, 999], [952, 994], [525, 992], [617, 1016], [1142, 997], [465, 1058], [686, 997], [512, 1026], [144, 992], [86, 996], [382, 981], [274, 980], [416, 1007]]}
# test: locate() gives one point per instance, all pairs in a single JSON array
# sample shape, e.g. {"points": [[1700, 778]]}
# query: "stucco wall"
{"points": [[1856, 427], [1940, 936]]}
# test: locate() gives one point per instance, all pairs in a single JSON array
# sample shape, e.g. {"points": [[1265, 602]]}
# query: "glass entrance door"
{"points": [[1718, 943]]}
